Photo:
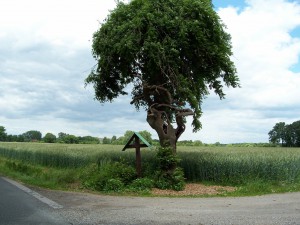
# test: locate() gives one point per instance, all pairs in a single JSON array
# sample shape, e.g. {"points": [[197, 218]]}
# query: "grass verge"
{"points": [[74, 180], [253, 171]]}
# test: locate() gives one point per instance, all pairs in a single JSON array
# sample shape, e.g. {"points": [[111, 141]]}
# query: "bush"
{"points": [[174, 180], [141, 184], [23, 168], [169, 176], [115, 185], [103, 177], [49, 138]]}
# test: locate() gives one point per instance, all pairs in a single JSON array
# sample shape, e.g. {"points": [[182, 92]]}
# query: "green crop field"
{"points": [[59, 155], [219, 165]]}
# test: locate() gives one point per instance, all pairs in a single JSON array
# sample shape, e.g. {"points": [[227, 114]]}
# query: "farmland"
{"points": [[263, 169]]}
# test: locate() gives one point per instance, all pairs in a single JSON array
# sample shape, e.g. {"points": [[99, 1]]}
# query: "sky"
{"points": [[45, 55]]}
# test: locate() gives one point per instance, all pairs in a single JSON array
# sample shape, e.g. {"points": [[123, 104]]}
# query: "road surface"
{"points": [[91, 209], [87, 209], [18, 207]]}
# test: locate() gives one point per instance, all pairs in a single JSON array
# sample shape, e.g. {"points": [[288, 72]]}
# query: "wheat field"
{"points": [[228, 165]]}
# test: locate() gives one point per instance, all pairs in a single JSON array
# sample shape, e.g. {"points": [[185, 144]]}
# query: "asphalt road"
{"points": [[20, 208], [91, 209]]}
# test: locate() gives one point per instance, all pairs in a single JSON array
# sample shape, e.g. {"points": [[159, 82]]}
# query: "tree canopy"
{"points": [[32, 135], [172, 52], [3, 134], [276, 135], [49, 138], [287, 134]]}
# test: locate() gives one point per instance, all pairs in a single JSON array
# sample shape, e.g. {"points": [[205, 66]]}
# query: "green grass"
{"points": [[237, 165], [60, 155], [254, 170], [41, 176]]}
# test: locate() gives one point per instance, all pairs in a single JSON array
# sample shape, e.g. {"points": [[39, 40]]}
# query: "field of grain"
{"points": [[224, 165]]}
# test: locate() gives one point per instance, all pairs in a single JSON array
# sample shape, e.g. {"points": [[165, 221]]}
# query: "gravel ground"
{"points": [[91, 209], [194, 189]]}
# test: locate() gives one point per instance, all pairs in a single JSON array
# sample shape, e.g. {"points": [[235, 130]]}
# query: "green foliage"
{"points": [[189, 143], [88, 140], [128, 134], [115, 185], [292, 134], [169, 176], [120, 141], [276, 135], [141, 185], [167, 160], [61, 135], [147, 135], [106, 141], [114, 138], [49, 138], [3, 135], [21, 167], [287, 134], [250, 145], [240, 166], [32, 135], [15, 138], [115, 176], [67, 138], [57, 158], [171, 180], [103, 177], [66, 176], [70, 139], [180, 45], [37, 175], [35, 136]]}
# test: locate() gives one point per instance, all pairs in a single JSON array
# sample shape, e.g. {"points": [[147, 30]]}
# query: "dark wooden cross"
{"points": [[137, 145]]}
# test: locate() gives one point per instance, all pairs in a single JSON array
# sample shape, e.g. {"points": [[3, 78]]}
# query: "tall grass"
{"points": [[57, 155], [224, 165], [234, 165]]}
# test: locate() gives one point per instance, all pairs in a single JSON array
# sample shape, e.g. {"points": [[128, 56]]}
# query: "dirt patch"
{"points": [[195, 189]]}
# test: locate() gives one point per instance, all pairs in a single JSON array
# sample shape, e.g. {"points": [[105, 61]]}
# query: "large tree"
{"points": [[287, 134], [49, 138], [277, 134], [172, 52], [292, 134], [32, 135], [3, 134]]}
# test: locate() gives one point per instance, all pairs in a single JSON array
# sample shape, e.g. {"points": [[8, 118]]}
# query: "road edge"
{"points": [[41, 198]]}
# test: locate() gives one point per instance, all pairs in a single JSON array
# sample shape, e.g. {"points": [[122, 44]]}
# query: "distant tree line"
{"points": [[36, 136], [287, 135], [124, 139]]}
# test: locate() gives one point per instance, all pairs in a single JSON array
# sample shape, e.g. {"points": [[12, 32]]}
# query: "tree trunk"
{"points": [[168, 135]]}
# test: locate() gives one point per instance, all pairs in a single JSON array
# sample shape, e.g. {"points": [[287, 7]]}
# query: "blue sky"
{"points": [[225, 3], [46, 55]]}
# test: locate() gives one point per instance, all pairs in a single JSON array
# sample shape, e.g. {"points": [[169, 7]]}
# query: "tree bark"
{"points": [[168, 135], [162, 110]]}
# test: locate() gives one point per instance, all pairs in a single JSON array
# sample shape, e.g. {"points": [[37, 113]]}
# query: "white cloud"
{"points": [[67, 21], [264, 52], [46, 55]]}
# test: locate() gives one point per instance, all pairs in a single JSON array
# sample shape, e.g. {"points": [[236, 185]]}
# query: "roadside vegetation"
{"points": [[105, 168]]}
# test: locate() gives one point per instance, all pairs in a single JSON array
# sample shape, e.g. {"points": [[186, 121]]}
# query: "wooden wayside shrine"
{"points": [[137, 142]]}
